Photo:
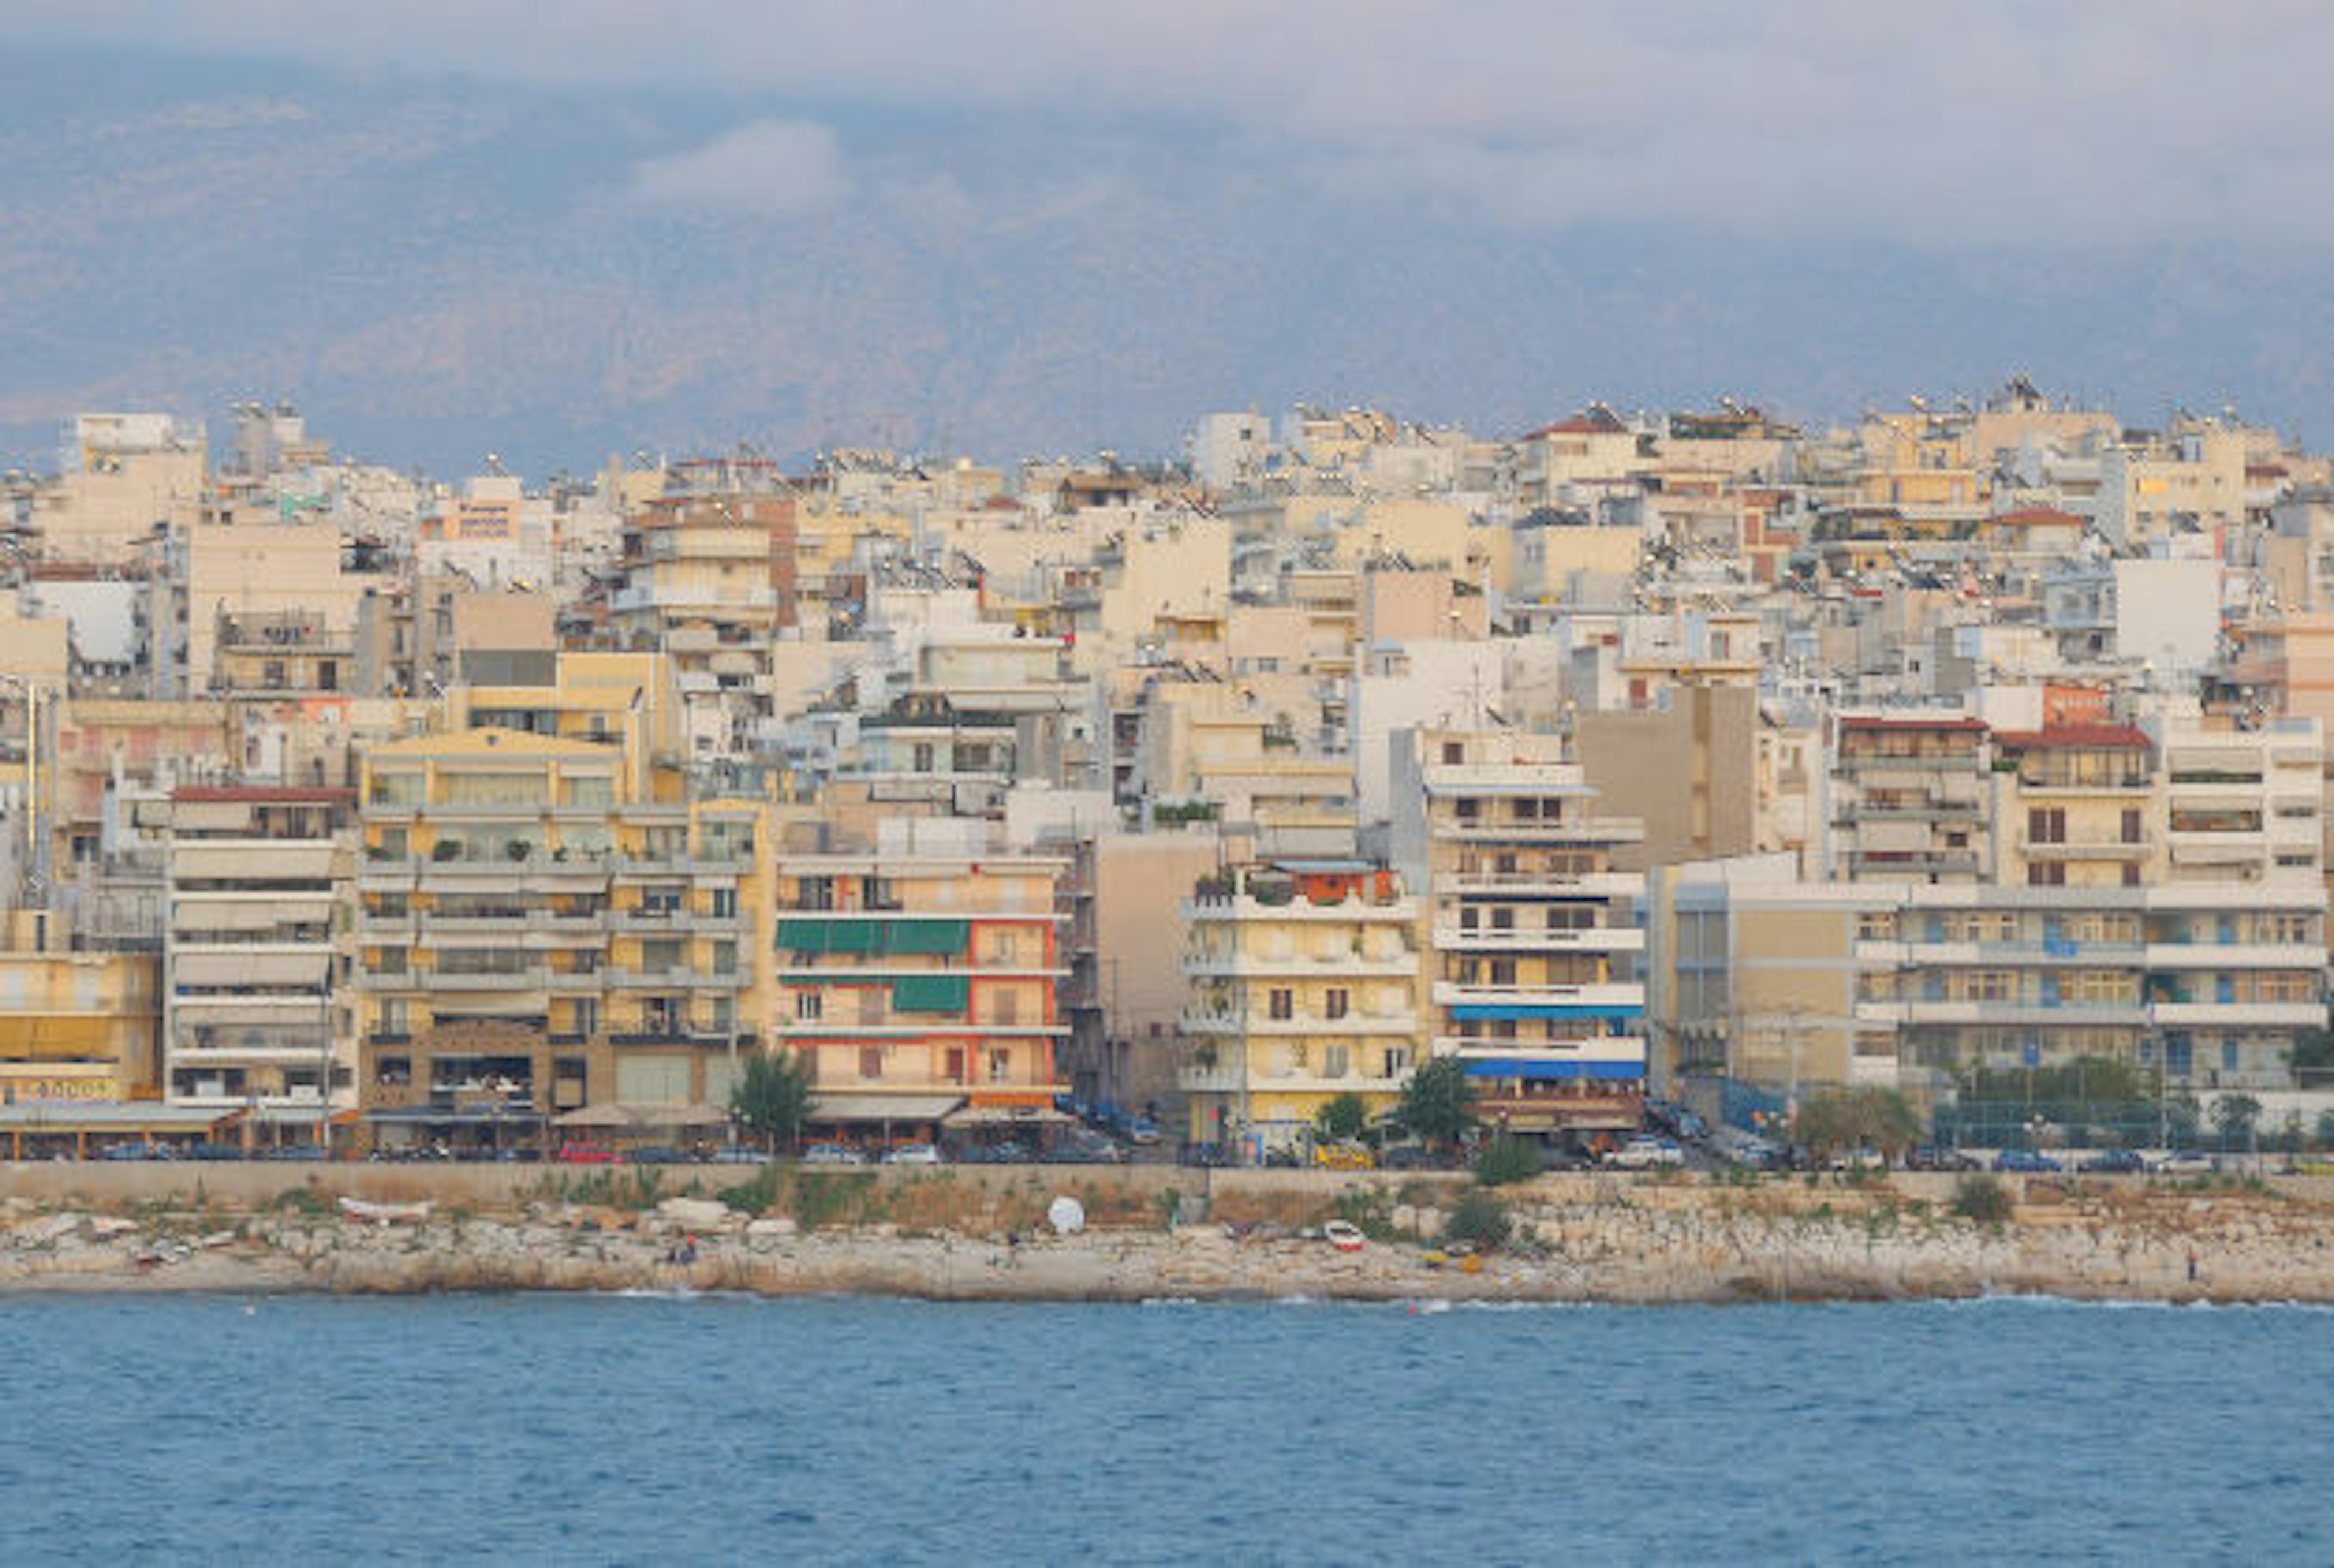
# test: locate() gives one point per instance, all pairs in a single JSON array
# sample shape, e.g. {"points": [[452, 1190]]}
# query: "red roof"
{"points": [[1875, 721], [2088, 736], [1595, 422]]}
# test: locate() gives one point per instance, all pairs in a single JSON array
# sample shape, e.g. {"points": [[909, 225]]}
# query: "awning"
{"points": [[1007, 1116], [929, 993], [699, 1115], [1617, 1071], [926, 936], [865, 1110], [111, 1116], [596, 1116], [1503, 1010], [804, 935], [428, 1116]]}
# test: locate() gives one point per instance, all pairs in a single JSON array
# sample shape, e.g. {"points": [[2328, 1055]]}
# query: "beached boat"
{"points": [[385, 1213], [1344, 1236]]}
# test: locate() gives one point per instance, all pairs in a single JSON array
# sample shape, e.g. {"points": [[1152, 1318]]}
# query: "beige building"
{"points": [[1303, 987]]}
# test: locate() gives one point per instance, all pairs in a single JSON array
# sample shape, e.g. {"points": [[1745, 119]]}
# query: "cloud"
{"points": [[766, 169], [2054, 123]]}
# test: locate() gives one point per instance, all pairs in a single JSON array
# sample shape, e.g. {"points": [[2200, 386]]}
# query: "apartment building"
{"points": [[1908, 797], [1302, 981], [546, 928], [1534, 942], [256, 959], [917, 979]]}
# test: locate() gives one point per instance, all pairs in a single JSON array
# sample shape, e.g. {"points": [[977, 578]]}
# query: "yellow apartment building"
{"points": [[1303, 980]]}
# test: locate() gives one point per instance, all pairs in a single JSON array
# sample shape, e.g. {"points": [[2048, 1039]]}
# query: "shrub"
{"points": [[1505, 1159], [1479, 1218], [1982, 1199]]}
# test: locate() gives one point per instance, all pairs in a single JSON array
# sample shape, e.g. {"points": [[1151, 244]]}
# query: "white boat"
{"points": [[385, 1213], [1344, 1236]]}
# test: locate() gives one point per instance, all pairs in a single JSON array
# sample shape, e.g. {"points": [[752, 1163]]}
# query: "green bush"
{"points": [[1479, 1218], [1982, 1199], [1505, 1159]]}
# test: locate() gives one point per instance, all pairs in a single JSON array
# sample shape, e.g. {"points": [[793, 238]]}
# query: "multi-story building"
{"points": [[2078, 807], [545, 928], [256, 1013], [1908, 798], [1534, 939], [917, 979], [1303, 986]]}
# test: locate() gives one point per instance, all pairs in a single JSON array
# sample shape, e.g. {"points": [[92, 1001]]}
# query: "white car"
{"points": [[1645, 1154], [913, 1154]]}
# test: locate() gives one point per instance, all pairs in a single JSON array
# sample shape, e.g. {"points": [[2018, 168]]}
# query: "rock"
{"points": [[703, 1212], [49, 1231], [106, 1226], [775, 1226]]}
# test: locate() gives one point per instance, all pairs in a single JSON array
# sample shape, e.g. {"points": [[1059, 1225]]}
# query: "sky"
{"points": [[1024, 227]]}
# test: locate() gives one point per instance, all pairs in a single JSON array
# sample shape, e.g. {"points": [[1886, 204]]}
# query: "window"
{"points": [[1281, 1003], [1453, 753], [1000, 1066], [2047, 825], [722, 904], [2131, 825], [2050, 875], [1503, 971], [807, 1006], [1337, 1002], [871, 1061], [1337, 1062]]}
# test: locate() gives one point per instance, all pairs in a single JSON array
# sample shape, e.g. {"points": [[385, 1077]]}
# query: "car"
{"points": [[132, 1151], [739, 1154], [657, 1154], [1141, 1130], [832, 1154], [913, 1154], [1343, 1157], [1409, 1157], [299, 1151], [2186, 1162], [2025, 1161], [1857, 1159], [1645, 1154], [586, 1154], [1935, 1157], [2113, 1162], [1082, 1147]]}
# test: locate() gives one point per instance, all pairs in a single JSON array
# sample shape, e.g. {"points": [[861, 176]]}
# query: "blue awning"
{"points": [[1501, 1010], [1618, 1072]]}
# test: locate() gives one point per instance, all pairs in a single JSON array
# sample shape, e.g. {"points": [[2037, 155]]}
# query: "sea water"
{"points": [[605, 1429]]}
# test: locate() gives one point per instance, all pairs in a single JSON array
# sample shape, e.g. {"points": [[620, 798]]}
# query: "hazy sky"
{"points": [[697, 222]]}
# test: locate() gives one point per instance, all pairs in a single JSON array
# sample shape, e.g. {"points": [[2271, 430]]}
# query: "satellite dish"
{"points": [[1066, 1214]]}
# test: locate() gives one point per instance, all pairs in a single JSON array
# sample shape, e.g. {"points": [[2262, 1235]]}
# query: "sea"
{"points": [[640, 1430]]}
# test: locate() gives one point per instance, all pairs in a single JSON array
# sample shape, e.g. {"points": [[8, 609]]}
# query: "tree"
{"points": [[2233, 1116], [1866, 1117], [1506, 1159], [1341, 1119], [774, 1098], [1437, 1104]]}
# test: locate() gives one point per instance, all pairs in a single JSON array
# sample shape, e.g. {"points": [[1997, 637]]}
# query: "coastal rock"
{"points": [[703, 1212], [771, 1229]]}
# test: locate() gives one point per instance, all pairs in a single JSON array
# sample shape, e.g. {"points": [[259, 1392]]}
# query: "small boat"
{"points": [[1344, 1236], [385, 1213]]}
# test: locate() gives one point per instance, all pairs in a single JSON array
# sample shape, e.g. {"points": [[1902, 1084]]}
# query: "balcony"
{"points": [[1577, 884], [1580, 999], [1497, 940]]}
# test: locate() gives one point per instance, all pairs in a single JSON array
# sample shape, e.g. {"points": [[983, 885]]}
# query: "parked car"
{"points": [[832, 1154], [1141, 1130], [1645, 1154], [1343, 1157], [2026, 1161], [135, 1151], [1857, 1159], [913, 1154], [586, 1154], [1935, 1157], [658, 1154], [740, 1154], [2186, 1162], [2113, 1162], [1081, 1145]]}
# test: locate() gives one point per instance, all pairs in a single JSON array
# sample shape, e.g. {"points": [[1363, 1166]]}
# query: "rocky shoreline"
{"points": [[1573, 1241]]}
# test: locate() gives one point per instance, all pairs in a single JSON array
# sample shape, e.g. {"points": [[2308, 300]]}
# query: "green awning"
{"points": [[804, 935], [927, 935], [855, 937], [929, 993]]}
